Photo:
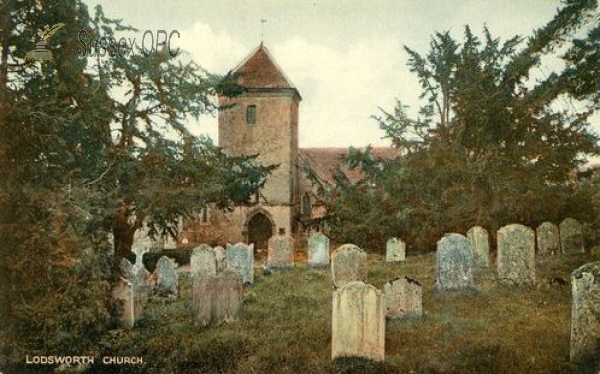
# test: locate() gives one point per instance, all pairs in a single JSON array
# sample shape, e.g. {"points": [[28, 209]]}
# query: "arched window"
{"points": [[306, 205]]}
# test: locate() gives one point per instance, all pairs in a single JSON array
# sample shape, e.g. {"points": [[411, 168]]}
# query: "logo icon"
{"points": [[40, 53]]}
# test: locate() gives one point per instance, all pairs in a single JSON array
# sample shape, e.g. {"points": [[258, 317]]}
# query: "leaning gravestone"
{"points": [[318, 250], [358, 322], [480, 246], [240, 259], [203, 261], [166, 278], [216, 298], [571, 236], [280, 253], [516, 255], [220, 256], [127, 270], [585, 312], [548, 239], [403, 298], [348, 264], [124, 294], [454, 263], [395, 250]]}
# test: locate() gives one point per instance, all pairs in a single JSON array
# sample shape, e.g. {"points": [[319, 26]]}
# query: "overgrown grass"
{"points": [[285, 327]]}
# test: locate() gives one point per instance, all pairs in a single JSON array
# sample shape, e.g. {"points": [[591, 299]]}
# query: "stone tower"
{"points": [[264, 121]]}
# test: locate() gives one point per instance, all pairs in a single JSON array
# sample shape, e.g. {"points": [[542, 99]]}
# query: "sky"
{"points": [[346, 58]]}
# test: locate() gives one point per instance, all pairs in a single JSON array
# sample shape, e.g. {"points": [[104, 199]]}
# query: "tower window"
{"points": [[306, 205], [251, 114]]}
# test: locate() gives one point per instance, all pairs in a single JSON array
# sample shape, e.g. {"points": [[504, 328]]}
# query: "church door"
{"points": [[259, 232]]}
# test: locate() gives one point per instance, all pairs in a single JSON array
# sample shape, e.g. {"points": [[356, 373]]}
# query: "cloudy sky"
{"points": [[345, 57]]}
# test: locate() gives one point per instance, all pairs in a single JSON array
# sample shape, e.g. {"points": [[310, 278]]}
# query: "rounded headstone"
{"points": [[571, 236], [585, 312], [480, 246], [454, 263], [203, 261], [318, 250], [348, 264], [547, 238], [516, 255]]}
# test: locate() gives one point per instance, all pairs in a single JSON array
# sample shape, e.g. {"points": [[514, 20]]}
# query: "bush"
{"points": [[180, 255], [59, 292]]}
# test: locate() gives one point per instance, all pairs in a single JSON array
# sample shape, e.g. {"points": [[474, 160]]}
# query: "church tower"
{"points": [[264, 121]]}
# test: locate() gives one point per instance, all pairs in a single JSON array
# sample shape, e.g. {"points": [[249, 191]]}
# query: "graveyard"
{"points": [[461, 236], [285, 324]]}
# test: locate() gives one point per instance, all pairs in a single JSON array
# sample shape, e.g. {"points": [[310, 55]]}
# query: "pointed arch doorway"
{"points": [[260, 229]]}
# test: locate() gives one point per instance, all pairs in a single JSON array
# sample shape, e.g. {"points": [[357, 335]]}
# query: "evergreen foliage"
{"points": [[488, 147], [91, 147]]}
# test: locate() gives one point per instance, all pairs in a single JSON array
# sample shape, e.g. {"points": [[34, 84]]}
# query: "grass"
{"points": [[285, 327]]}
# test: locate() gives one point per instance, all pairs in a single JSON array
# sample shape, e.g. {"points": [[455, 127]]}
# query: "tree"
{"points": [[152, 177], [53, 293], [79, 161], [488, 146], [576, 26]]}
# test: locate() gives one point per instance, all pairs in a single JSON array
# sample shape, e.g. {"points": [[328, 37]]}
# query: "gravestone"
{"points": [[203, 261], [280, 253], [395, 250], [516, 255], [216, 299], [480, 246], [358, 322], [571, 236], [548, 239], [167, 280], [228, 297], [126, 270], [142, 289], [240, 259], [318, 250], [123, 293], [453, 263], [220, 256], [202, 285], [139, 251], [348, 264], [585, 312], [403, 298], [142, 277]]}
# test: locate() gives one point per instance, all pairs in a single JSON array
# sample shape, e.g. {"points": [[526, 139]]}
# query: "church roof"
{"points": [[324, 162], [260, 71]]}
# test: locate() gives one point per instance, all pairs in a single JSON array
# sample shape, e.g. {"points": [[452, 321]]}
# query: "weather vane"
{"points": [[262, 29]]}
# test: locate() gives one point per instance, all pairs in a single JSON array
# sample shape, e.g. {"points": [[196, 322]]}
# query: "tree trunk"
{"points": [[123, 233]]}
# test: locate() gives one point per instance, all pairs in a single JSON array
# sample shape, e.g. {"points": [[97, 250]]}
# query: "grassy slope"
{"points": [[285, 328]]}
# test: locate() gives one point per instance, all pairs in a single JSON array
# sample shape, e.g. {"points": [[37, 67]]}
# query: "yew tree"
{"points": [[89, 147], [493, 142]]}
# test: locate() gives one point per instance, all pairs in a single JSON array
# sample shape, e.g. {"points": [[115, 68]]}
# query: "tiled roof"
{"points": [[325, 161], [259, 71]]}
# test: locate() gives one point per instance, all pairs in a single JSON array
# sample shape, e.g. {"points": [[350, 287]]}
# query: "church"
{"points": [[264, 120]]}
